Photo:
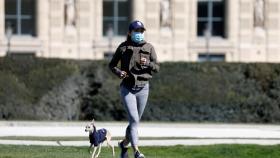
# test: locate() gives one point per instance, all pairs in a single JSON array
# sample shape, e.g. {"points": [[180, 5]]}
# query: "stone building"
{"points": [[180, 30]]}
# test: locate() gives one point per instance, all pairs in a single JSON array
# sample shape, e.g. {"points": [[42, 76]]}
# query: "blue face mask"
{"points": [[137, 37]]}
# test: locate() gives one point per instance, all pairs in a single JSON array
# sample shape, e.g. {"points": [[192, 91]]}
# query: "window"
{"points": [[116, 16], [20, 15], [211, 57], [211, 15]]}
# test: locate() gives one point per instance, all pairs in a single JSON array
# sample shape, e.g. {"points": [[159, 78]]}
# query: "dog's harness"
{"points": [[97, 136]]}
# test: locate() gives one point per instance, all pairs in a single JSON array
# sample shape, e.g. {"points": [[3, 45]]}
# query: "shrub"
{"points": [[69, 90]]}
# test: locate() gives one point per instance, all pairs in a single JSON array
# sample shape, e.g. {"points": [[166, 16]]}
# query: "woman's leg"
{"points": [[141, 97], [130, 104], [126, 140]]}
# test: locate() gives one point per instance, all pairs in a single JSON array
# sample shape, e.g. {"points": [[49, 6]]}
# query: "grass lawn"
{"points": [[80, 138], [211, 151]]}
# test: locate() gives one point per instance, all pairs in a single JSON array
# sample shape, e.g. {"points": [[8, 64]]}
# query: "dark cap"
{"points": [[136, 25]]}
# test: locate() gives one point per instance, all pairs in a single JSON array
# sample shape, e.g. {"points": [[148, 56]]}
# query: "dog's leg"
{"points": [[94, 150], [99, 150], [113, 150], [89, 149], [108, 138]]}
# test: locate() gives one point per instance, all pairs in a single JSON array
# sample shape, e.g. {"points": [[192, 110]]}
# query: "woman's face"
{"points": [[136, 30]]}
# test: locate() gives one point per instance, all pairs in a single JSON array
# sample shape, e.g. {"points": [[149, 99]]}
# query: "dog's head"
{"points": [[90, 127]]}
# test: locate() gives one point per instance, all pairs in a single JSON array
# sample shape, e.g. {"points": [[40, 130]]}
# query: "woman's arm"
{"points": [[114, 62], [153, 64]]}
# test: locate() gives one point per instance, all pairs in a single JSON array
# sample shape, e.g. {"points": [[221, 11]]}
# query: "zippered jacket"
{"points": [[128, 54]]}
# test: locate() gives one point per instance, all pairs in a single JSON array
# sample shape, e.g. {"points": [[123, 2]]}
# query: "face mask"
{"points": [[137, 37]]}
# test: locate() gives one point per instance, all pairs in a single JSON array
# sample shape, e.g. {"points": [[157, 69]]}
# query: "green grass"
{"points": [[81, 138], [212, 151]]}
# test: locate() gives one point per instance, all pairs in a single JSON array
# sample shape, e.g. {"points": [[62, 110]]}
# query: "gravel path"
{"points": [[170, 133]]}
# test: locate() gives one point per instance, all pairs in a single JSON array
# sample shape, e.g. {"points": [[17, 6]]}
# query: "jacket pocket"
{"points": [[144, 54]]}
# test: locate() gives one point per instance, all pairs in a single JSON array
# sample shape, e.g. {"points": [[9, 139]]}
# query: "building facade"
{"points": [[180, 30]]}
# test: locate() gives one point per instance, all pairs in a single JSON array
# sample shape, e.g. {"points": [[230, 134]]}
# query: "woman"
{"points": [[138, 63]]}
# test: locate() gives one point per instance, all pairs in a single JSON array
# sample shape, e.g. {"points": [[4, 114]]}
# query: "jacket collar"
{"points": [[130, 42]]}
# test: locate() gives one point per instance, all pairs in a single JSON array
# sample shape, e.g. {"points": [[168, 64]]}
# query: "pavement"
{"points": [[169, 133]]}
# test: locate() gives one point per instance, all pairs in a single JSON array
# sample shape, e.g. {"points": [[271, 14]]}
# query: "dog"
{"points": [[97, 137]]}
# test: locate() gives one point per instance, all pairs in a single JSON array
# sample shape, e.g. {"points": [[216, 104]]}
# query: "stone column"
{"points": [[42, 20], [151, 22], [138, 10], [2, 19], [272, 25], [193, 20], [85, 12], [56, 28], [192, 29], [2, 28], [231, 28], [180, 17], [97, 39], [232, 19], [245, 33], [98, 19]]}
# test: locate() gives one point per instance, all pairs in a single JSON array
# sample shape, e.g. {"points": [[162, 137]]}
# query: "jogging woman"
{"points": [[138, 62]]}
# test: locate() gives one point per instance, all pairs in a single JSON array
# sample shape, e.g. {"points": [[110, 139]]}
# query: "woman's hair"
{"points": [[128, 37]]}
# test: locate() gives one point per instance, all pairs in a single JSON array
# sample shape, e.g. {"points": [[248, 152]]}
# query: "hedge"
{"points": [[56, 89]]}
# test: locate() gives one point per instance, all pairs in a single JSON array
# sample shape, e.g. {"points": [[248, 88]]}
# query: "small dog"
{"points": [[97, 137]]}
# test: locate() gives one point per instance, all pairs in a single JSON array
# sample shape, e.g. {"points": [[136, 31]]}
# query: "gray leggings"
{"points": [[134, 101]]}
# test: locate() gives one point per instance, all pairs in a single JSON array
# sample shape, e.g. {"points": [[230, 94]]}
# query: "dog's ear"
{"points": [[93, 121]]}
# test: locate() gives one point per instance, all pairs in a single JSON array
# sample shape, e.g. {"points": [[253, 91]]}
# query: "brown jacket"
{"points": [[129, 55]]}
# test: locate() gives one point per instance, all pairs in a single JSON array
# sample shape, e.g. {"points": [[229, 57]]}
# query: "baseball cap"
{"points": [[136, 25]]}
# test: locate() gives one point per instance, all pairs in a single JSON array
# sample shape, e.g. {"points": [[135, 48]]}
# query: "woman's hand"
{"points": [[143, 61], [123, 75]]}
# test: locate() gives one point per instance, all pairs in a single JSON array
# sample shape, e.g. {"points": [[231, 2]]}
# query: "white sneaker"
{"points": [[139, 155]]}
